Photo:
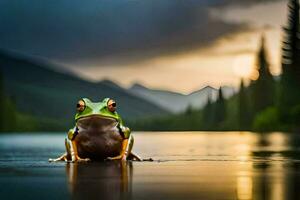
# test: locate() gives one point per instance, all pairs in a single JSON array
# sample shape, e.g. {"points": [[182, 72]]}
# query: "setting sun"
{"points": [[243, 66]]}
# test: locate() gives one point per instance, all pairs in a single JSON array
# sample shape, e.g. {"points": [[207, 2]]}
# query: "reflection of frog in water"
{"points": [[100, 180], [99, 134]]}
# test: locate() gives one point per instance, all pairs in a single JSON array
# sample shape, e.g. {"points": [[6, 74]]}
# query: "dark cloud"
{"points": [[243, 2], [108, 31]]}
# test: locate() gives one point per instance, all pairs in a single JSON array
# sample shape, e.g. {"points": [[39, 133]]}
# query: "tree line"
{"points": [[8, 111], [13, 120], [266, 104]]}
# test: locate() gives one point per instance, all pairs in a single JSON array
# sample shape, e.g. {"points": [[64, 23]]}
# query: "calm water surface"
{"points": [[187, 165]]}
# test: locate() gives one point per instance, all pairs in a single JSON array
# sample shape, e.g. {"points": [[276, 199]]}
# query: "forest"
{"points": [[266, 104]]}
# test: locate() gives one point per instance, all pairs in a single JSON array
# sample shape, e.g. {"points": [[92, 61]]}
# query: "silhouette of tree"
{"points": [[189, 110], [8, 113], [220, 109], [208, 113], [263, 87], [243, 108], [290, 78]]}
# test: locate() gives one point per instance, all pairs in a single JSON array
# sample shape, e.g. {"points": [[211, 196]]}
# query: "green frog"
{"points": [[99, 134]]}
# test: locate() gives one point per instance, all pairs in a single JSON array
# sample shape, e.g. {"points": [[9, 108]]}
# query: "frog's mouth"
{"points": [[96, 122]]}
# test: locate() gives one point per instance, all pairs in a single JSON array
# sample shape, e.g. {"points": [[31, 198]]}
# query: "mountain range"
{"points": [[44, 91], [177, 102]]}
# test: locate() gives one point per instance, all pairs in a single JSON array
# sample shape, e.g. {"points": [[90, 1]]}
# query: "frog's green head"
{"points": [[105, 109]]}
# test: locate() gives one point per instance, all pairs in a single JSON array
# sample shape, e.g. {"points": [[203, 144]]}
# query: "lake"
{"points": [[187, 165]]}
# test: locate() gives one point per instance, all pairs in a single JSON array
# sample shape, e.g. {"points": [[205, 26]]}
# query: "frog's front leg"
{"points": [[61, 158], [123, 154], [71, 149], [126, 152], [71, 146], [74, 153], [66, 156]]}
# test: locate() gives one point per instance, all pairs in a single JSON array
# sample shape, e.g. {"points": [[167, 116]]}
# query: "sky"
{"points": [[171, 44]]}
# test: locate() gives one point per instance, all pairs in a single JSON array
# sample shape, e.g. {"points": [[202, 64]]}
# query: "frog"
{"points": [[99, 134]]}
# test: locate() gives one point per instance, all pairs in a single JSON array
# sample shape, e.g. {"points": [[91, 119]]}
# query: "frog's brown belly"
{"points": [[98, 144]]}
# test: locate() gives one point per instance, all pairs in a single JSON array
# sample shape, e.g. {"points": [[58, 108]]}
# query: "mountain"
{"points": [[177, 102], [42, 92]]}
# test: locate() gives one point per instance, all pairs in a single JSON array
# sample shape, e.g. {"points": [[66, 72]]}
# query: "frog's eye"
{"points": [[80, 106], [111, 105]]}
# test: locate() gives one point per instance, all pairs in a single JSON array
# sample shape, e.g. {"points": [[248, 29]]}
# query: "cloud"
{"points": [[244, 2], [108, 32]]}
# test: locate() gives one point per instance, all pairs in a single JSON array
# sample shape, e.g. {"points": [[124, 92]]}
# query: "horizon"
{"points": [[61, 69]]}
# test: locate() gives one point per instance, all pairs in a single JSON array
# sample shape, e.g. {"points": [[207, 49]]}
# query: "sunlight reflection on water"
{"points": [[188, 165]]}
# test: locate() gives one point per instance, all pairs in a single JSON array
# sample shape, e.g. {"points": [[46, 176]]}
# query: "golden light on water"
{"points": [[244, 187]]}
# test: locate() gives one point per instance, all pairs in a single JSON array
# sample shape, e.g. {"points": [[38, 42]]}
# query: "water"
{"points": [[187, 165]]}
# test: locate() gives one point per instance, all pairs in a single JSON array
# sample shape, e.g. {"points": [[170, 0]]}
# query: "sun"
{"points": [[243, 66]]}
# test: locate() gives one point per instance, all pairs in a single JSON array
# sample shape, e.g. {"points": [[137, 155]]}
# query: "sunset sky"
{"points": [[175, 45]]}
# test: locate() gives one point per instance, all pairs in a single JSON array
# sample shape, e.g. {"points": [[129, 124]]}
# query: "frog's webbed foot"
{"points": [[133, 156], [83, 160], [119, 157], [78, 159], [61, 158]]}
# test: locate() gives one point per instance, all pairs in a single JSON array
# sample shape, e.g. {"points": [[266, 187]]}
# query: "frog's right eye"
{"points": [[80, 106], [111, 105]]}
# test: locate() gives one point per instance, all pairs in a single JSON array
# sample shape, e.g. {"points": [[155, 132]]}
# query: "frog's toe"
{"points": [[83, 160], [61, 158], [108, 158], [53, 160]]}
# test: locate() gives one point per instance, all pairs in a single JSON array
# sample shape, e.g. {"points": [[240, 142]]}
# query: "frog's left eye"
{"points": [[111, 105], [80, 106]]}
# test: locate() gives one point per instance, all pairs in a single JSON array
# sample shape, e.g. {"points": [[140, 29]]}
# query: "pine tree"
{"points": [[243, 108], [208, 114], [8, 114], [189, 110], [220, 109], [290, 78], [263, 87]]}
